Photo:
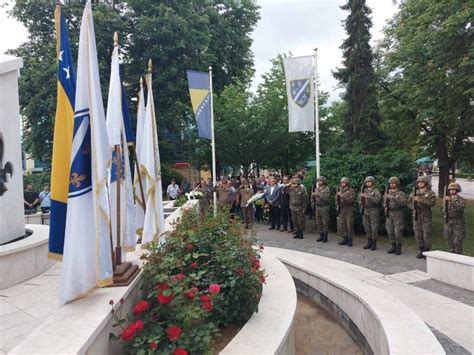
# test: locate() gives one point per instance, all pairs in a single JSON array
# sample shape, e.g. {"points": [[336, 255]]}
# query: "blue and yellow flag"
{"points": [[62, 143], [200, 99]]}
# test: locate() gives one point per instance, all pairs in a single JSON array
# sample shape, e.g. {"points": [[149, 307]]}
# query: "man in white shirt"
{"points": [[173, 190]]}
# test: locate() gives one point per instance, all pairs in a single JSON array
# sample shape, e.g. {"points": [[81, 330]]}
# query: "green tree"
{"points": [[362, 118], [428, 88], [37, 83], [176, 35]]}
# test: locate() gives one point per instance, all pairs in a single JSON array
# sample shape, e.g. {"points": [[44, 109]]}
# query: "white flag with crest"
{"points": [[150, 167], [87, 258], [299, 74], [116, 134]]}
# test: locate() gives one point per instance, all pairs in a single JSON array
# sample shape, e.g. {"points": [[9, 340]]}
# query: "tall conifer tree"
{"points": [[362, 119]]}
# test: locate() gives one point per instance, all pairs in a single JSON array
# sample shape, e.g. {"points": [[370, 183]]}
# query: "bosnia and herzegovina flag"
{"points": [[201, 101], [63, 128]]}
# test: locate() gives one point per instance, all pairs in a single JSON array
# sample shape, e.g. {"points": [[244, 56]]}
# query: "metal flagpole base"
{"points": [[124, 274]]}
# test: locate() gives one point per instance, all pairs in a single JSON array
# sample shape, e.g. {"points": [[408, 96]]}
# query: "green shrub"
{"points": [[38, 180], [206, 275], [357, 165]]}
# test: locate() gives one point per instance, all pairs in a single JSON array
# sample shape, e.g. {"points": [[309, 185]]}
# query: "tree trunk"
{"points": [[443, 163]]}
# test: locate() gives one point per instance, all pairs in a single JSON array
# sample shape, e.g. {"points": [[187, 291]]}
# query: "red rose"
{"points": [[138, 325], [214, 289], [162, 299], [189, 246], [194, 265], [153, 345], [206, 302], [190, 294], [128, 333], [180, 351], [252, 269], [174, 333], [257, 264], [162, 286], [262, 278], [111, 302], [240, 271], [141, 307], [252, 258]]}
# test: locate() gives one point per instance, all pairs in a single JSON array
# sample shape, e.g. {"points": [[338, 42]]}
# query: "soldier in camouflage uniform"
{"points": [[397, 200], [345, 219], [204, 200], [423, 227], [370, 200], [321, 200], [455, 228], [298, 200], [244, 193]]}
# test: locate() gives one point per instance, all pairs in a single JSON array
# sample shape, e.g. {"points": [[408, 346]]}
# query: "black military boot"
{"points": [[321, 237], [398, 250], [301, 235], [420, 254], [296, 235], [392, 249], [349, 241], [344, 241], [374, 244], [325, 240], [369, 244]]}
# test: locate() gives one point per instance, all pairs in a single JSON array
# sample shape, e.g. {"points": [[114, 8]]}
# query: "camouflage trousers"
{"points": [[423, 229], [455, 232], [248, 214], [371, 223], [203, 206], [394, 225], [345, 222], [298, 220], [322, 219]]}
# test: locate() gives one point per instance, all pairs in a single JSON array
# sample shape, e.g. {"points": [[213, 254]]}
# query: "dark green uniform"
{"points": [[394, 222], [423, 228], [455, 228], [322, 208], [371, 212], [204, 200], [298, 200], [345, 220]]}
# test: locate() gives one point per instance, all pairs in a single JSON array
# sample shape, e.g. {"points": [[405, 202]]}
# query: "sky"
{"points": [[296, 26]]}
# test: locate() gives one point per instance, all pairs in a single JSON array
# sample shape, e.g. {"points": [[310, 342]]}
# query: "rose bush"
{"points": [[205, 276]]}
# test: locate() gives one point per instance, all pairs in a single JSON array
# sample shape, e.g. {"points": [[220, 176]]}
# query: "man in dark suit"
{"points": [[273, 196], [285, 212]]}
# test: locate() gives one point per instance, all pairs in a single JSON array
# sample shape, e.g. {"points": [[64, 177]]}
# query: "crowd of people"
{"points": [[285, 198]]}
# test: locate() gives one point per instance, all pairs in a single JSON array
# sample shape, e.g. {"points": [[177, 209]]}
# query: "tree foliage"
{"points": [[174, 35], [362, 118], [428, 87]]}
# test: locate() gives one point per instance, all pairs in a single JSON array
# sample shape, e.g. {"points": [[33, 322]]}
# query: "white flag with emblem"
{"points": [[299, 74], [150, 168], [87, 258]]}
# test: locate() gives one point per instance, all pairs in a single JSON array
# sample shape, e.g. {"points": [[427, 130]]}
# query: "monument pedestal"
{"points": [[12, 222]]}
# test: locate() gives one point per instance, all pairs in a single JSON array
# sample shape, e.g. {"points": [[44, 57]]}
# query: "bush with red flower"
{"points": [[205, 276]]}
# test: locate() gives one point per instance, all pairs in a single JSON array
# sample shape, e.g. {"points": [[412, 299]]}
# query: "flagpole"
{"points": [[316, 110], [140, 183], [213, 144]]}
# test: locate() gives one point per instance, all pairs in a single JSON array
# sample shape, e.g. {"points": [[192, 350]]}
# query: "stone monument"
{"points": [[12, 221]]}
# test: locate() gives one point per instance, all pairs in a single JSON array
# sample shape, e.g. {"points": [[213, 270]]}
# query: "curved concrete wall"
{"points": [[378, 322], [26, 258]]}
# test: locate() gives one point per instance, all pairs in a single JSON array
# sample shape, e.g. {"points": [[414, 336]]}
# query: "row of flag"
{"points": [[93, 207]]}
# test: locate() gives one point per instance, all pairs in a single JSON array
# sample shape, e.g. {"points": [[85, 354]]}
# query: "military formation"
{"points": [[287, 202]]}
